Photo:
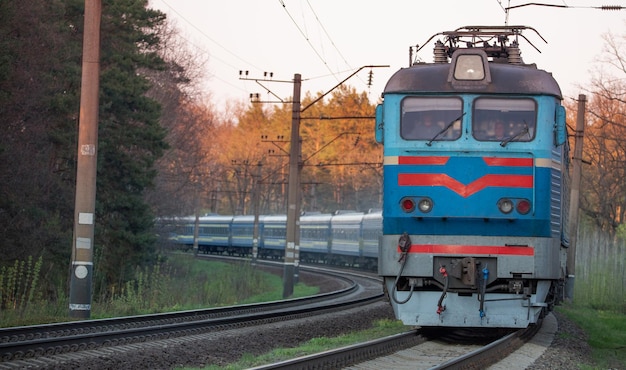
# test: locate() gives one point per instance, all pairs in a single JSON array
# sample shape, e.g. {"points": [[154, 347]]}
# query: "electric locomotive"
{"points": [[475, 185]]}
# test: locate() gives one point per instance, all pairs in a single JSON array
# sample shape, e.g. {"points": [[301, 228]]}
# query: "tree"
{"points": [[342, 167], [40, 47], [604, 191], [130, 140], [40, 82], [340, 158]]}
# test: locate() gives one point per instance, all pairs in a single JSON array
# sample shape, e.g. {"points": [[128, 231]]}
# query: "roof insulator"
{"points": [[440, 53], [515, 55]]}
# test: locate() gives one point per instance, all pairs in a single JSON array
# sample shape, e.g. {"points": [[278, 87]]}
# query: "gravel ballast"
{"points": [[568, 349]]}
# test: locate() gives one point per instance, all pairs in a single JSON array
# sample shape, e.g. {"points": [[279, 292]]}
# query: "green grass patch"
{"points": [[187, 283], [381, 328], [606, 334], [180, 282]]}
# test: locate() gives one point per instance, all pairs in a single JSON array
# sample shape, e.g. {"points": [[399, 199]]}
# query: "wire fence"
{"points": [[600, 270]]}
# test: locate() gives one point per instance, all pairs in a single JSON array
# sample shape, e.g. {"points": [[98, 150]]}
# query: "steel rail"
{"points": [[39, 340], [354, 354]]}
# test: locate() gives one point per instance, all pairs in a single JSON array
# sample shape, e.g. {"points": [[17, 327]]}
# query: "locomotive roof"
{"points": [[505, 79], [497, 66]]}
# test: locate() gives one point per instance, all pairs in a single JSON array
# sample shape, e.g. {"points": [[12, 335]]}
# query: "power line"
{"points": [[333, 44], [564, 6], [212, 55], [328, 35], [308, 40]]}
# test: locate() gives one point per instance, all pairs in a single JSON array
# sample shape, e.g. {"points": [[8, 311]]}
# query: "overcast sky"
{"points": [[326, 40]]}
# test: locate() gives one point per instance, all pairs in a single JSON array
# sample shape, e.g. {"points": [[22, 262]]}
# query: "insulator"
{"points": [[611, 7], [440, 53], [515, 56]]}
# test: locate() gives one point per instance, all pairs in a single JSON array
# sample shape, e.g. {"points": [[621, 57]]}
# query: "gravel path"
{"points": [[568, 350]]}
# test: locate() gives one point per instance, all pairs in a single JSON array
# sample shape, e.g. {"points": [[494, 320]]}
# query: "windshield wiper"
{"points": [[444, 129], [514, 137]]}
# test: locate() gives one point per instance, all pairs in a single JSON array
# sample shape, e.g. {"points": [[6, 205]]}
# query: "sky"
{"points": [[325, 41]]}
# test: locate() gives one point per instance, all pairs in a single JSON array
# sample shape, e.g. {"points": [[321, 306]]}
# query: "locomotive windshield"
{"points": [[504, 120], [431, 118]]}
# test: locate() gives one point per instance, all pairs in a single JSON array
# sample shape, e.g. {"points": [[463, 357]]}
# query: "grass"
{"points": [[606, 334], [181, 283], [605, 330], [382, 328], [191, 283], [184, 283]]}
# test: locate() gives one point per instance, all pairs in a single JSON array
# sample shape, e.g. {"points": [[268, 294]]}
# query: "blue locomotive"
{"points": [[344, 238], [475, 185]]}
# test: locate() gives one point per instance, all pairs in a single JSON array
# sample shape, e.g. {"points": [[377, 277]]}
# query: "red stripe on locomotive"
{"points": [[423, 160], [511, 162], [470, 249], [508, 181]]}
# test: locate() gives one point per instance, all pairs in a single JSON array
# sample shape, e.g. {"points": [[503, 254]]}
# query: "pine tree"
{"points": [[130, 140]]}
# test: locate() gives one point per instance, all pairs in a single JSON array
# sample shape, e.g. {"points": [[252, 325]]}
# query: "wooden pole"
{"points": [[85, 202], [293, 205], [575, 196]]}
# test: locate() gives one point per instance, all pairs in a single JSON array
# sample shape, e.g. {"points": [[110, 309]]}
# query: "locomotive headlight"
{"points": [[505, 205], [407, 204], [425, 205], [523, 206], [469, 67]]}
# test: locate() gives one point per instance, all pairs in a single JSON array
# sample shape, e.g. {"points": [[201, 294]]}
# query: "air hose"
{"points": [[483, 289], [440, 306], [404, 243]]}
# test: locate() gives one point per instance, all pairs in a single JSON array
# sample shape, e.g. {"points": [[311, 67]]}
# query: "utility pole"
{"points": [[293, 193], [196, 227], [255, 198], [293, 209], [85, 202], [575, 197]]}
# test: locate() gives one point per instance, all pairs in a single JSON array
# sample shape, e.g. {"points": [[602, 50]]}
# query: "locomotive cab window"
{"points": [[431, 119], [504, 120]]}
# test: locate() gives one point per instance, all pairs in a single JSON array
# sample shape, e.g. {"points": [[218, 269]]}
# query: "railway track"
{"points": [[412, 351], [93, 344], [44, 344]]}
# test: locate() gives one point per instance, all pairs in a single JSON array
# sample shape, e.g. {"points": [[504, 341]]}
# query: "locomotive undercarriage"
{"points": [[432, 305], [465, 291], [467, 275]]}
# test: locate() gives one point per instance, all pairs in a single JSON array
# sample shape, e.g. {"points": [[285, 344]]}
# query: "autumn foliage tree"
{"points": [[603, 196], [163, 149], [340, 161]]}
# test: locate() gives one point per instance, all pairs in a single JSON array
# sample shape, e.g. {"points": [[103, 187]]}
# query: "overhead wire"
{"points": [[565, 6], [333, 73], [213, 55], [308, 40], [317, 19], [210, 38], [304, 34]]}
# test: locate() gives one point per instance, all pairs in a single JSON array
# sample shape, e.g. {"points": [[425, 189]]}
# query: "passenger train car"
{"points": [[475, 185], [343, 238]]}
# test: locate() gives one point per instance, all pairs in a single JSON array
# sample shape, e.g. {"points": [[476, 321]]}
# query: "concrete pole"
{"points": [[575, 196], [255, 199], [293, 205], [85, 202], [196, 229]]}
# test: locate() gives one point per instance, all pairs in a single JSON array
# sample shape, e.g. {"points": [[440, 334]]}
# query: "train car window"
{"points": [[504, 120], [214, 230], [431, 119]]}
